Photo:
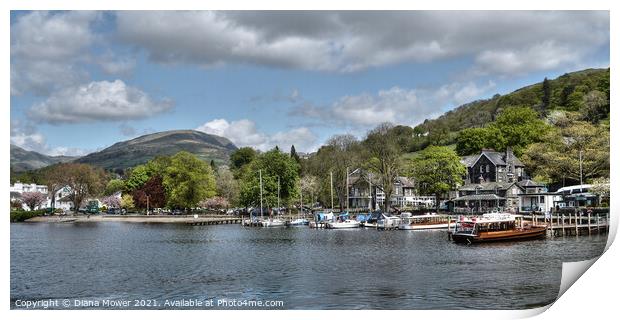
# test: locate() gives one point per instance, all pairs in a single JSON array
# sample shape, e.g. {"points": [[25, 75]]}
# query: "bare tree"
{"points": [[383, 158]]}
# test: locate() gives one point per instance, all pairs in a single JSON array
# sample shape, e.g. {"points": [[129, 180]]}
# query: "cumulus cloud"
{"points": [[245, 133], [46, 48], [97, 101], [114, 65], [396, 105], [352, 41], [26, 136]]}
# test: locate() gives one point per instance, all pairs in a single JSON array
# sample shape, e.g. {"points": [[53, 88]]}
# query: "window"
{"points": [[542, 199], [481, 171], [488, 168]]}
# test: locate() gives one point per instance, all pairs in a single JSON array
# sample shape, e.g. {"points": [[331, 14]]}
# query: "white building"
{"points": [[18, 188]]}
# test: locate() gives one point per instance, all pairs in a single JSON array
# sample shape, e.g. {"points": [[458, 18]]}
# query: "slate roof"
{"points": [[486, 186], [473, 197], [497, 158], [529, 183]]}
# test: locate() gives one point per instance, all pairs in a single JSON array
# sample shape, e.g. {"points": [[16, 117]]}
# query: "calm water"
{"points": [[304, 268]]}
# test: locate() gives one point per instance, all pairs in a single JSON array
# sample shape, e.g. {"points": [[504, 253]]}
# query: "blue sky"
{"points": [[81, 81]]}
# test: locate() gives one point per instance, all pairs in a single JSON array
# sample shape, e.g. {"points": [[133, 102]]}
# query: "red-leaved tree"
{"points": [[154, 189]]}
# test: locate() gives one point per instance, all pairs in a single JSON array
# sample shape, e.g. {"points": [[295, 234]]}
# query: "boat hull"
{"points": [[509, 235], [342, 225], [424, 226]]}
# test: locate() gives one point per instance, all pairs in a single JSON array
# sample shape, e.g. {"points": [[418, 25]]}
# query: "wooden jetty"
{"points": [[571, 224], [213, 221]]}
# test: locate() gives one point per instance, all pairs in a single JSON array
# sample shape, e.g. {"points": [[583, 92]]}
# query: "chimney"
{"points": [[509, 155]]}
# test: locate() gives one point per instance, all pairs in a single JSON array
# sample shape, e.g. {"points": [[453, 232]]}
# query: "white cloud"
{"points": [[352, 41], [396, 105], [46, 48], [26, 136], [97, 101], [245, 133], [114, 65]]}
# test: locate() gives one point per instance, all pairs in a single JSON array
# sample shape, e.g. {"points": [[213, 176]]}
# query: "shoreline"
{"points": [[129, 218]]}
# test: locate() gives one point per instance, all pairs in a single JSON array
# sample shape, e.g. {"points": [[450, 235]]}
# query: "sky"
{"points": [[82, 81]]}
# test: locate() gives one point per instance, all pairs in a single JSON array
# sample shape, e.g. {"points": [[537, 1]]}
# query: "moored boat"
{"points": [[346, 224], [273, 223], [495, 227], [299, 222], [425, 222]]}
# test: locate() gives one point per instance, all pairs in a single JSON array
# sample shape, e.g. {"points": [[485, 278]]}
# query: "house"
{"points": [[62, 199], [497, 181], [364, 193], [18, 188]]}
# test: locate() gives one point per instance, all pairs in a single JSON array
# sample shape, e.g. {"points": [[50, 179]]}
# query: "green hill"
{"points": [[126, 154], [24, 160], [567, 92]]}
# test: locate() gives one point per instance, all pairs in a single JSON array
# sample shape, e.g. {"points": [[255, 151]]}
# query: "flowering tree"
{"points": [[214, 203], [33, 199], [16, 204], [111, 202]]}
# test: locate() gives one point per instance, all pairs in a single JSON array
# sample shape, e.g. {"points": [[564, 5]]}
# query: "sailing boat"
{"points": [[300, 221], [275, 222], [343, 221]]}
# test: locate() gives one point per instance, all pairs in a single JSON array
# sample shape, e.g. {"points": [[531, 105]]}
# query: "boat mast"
{"points": [[260, 179], [278, 195], [301, 199], [331, 188], [347, 188]]}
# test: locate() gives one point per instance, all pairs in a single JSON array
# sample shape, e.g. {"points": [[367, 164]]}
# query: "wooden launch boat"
{"points": [[495, 227]]}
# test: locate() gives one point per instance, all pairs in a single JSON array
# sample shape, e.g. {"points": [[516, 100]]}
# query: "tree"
{"points": [[226, 185], [111, 202], [310, 188], [127, 202], [601, 187], [138, 176], [83, 180], [596, 106], [242, 157], [187, 181], [114, 186], [273, 165], [215, 203], [472, 140], [383, 154], [33, 199], [16, 204], [341, 153], [213, 165], [437, 170], [519, 127], [546, 97], [152, 192], [556, 157], [294, 154], [55, 177]]}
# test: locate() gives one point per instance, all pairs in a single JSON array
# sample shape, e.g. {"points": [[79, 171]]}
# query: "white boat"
{"points": [[299, 222], [348, 223], [388, 222], [274, 223], [426, 222]]}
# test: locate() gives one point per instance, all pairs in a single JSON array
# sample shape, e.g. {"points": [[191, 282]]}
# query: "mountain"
{"points": [[24, 160], [566, 92], [137, 151]]}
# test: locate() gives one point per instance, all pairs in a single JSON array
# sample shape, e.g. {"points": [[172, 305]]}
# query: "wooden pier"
{"points": [[571, 224], [213, 221]]}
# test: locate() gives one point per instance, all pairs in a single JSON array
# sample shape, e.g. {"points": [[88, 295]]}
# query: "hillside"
{"points": [[564, 93], [24, 160], [133, 152]]}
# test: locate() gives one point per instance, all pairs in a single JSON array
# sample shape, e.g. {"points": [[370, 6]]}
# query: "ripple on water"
{"points": [[306, 268]]}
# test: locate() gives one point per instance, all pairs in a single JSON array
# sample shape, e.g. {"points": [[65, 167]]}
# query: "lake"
{"points": [[301, 267]]}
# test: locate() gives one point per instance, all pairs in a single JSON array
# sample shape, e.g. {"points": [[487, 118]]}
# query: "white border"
{"points": [[593, 295]]}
